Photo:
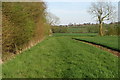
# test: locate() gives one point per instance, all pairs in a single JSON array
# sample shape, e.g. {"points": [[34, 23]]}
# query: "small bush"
{"points": [[59, 29]]}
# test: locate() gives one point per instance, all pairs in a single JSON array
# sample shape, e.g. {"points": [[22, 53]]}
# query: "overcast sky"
{"points": [[72, 12]]}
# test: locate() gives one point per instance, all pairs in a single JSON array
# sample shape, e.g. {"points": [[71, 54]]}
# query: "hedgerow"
{"points": [[23, 25]]}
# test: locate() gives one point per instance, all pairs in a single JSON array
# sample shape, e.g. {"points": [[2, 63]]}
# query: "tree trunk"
{"points": [[100, 29]]}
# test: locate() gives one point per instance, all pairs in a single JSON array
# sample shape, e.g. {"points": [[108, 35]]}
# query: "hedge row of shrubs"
{"points": [[23, 25], [112, 29], [108, 29], [57, 29]]}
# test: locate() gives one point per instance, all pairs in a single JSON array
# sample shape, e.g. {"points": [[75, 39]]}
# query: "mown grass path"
{"points": [[62, 57]]}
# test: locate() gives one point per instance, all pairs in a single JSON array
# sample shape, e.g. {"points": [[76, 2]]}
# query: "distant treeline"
{"points": [[24, 24], [108, 29]]}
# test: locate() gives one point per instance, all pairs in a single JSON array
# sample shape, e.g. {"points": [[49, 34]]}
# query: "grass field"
{"points": [[83, 29], [76, 34], [75, 30], [62, 57], [108, 41]]}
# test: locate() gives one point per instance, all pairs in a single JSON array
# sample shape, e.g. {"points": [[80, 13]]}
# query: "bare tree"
{"points": [[52, 19], [102, 11]]}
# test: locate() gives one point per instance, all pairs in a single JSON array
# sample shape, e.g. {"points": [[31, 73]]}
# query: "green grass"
{"points": [[73, 30], [62, 57], [108, 41], [75, 34], [83, 29]]}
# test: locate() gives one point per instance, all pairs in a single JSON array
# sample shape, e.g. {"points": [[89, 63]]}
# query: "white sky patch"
{"points": [[75, 12], [59, 0], [81, 0]]}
